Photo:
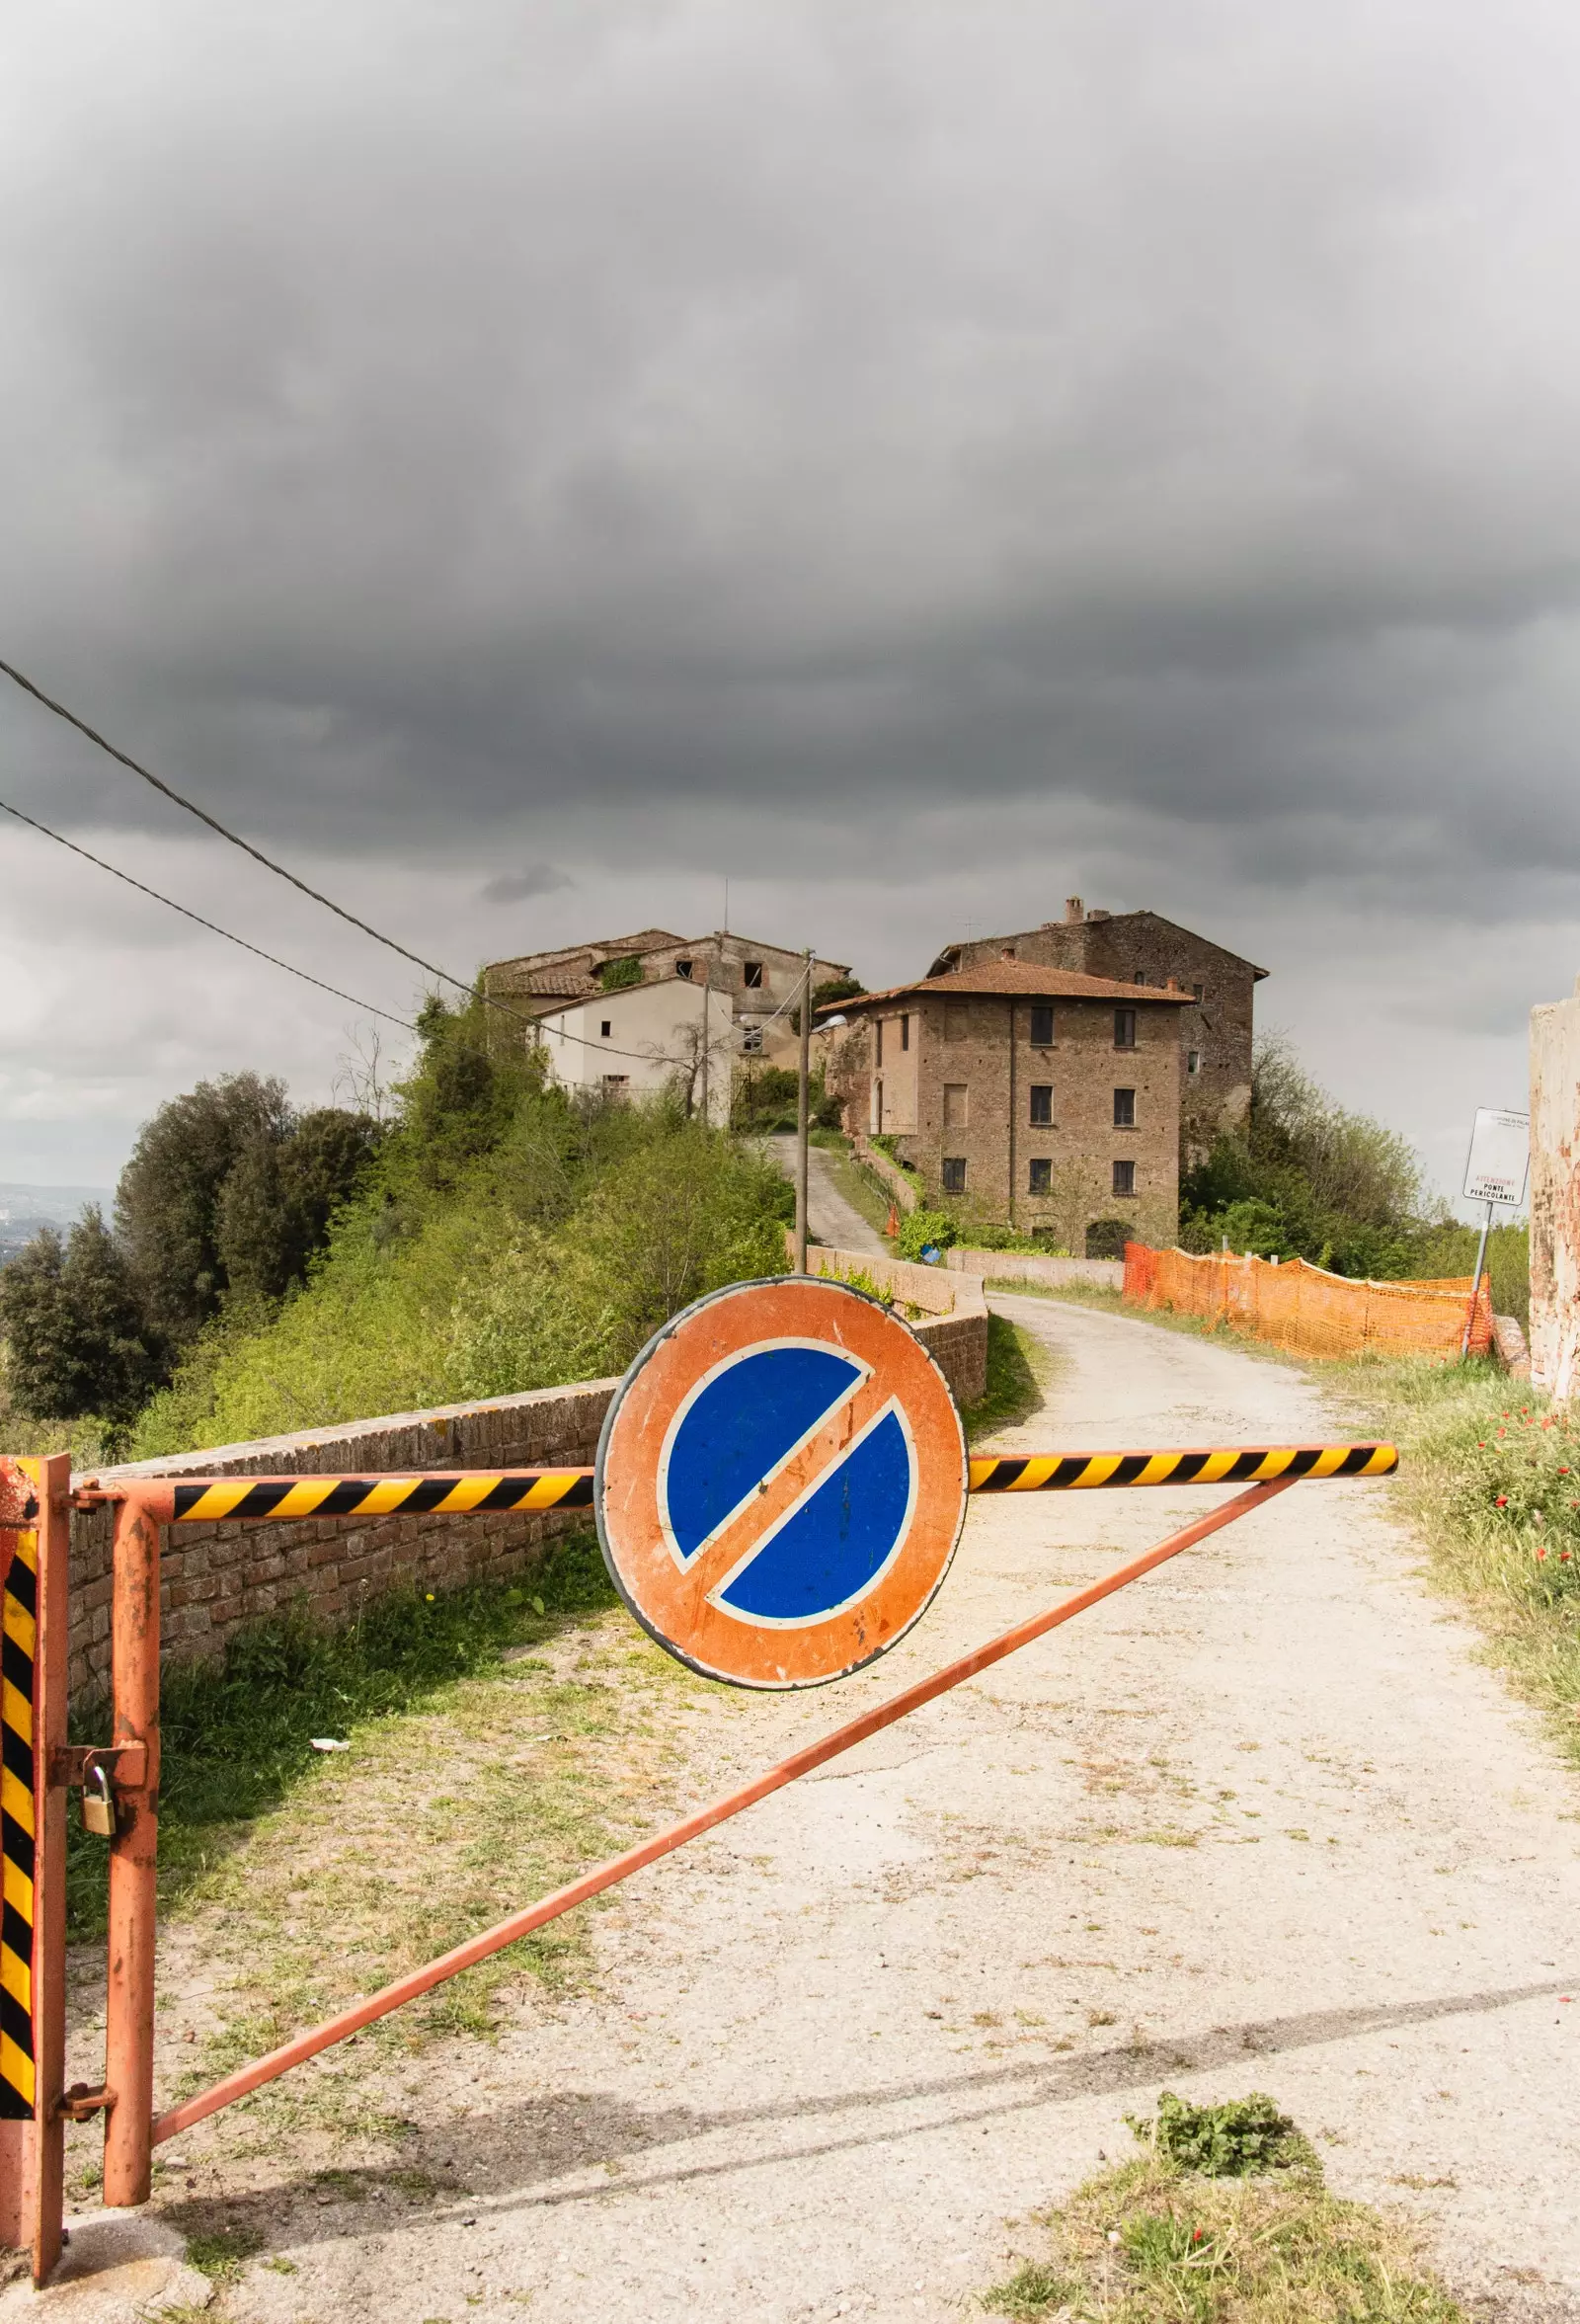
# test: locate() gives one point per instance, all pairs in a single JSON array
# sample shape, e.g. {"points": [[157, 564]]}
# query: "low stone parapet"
{"points": [[1036, 1267], [952, 1325], [214, 1578]]}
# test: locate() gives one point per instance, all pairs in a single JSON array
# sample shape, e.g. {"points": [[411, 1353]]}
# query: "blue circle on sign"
{"points": [[735, 1432]]}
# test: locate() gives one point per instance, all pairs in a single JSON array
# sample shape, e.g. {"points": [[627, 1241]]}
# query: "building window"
{"points": [[954, 1173], [1042, 1105], [905, 1032], [956, 1106], [877, 1041], [1124, 1109], [605, 1028], [752, 975], [1042, 1027], [1193, 1061], [957, 1022], [877, 1109], [752, 1040], [1124, 1028], [683, 968], [1140, 977], [1040, 1177], [1200, 991], [1124, 1177]]}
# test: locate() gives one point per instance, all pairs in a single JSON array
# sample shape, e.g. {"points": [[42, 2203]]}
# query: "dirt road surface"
{"points": [[1262, 1821]]}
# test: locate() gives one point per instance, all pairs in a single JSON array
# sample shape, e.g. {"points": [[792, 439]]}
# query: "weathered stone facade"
{"points": [[1130, 947], [1555, 1198], [1006, 1088]]}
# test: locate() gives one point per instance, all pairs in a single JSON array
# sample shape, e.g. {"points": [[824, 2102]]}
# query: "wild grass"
{"points": [[1490, 1478], [501, 1741], [1019, 1368], [1249, 2239], [237, 1733]]}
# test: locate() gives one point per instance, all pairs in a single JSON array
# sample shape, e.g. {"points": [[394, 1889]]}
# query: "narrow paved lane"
{"points": [[1262, 1821], [830, 1218]]}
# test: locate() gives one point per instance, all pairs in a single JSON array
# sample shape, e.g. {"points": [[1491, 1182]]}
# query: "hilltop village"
{"points": [[1051, 1079]]}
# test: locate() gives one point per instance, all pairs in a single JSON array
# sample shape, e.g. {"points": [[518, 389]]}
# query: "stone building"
{"points": [[1143, 948], [751, 985], [1038, 1098]]}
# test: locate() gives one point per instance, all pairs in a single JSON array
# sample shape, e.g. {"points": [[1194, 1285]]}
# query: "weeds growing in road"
{"points": [[1256, 2239]]}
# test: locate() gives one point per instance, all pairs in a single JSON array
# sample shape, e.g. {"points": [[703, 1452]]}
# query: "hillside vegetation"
{"points": [[493, 1236]]}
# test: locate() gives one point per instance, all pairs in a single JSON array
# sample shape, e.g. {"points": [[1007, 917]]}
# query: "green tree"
{"points": [[74, 1329], [168, 1201], [459, 1099], [276, 1203]]}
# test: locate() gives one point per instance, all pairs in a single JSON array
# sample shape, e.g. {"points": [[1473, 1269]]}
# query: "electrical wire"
{"points": [[212, 926], [29, 685]]}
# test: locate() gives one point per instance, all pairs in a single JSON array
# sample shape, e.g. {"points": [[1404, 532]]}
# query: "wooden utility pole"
{"points": [[802, 1121]]}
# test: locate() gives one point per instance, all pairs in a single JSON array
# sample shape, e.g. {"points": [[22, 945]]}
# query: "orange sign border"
{"points": [[673, 1606]]}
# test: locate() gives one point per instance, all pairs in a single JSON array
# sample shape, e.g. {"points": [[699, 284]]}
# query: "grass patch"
{"points": [[236, 1732], [1018, 1371], [1255, 2239], [476, 1781], [1489, 1474], [222, 2254]]}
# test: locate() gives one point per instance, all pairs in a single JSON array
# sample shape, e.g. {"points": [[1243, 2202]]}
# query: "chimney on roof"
{"points": [[1074, 912], [1097, 912]]}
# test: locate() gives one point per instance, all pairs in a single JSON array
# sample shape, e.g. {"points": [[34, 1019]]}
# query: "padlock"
{"points": [[98, 1808]]}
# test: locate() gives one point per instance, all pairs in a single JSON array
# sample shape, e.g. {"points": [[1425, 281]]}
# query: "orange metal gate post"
{"points": [[133, 1865]]}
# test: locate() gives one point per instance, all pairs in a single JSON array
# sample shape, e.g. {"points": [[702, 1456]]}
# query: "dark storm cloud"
{"points": [[430, 428], [913, 460], [518, 887]]}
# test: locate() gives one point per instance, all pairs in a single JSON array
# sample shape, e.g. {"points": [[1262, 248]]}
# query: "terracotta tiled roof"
{"points": [[1018, 978]]}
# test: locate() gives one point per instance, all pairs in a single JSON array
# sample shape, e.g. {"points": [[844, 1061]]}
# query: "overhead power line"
{"points": [[462, 984], [21, 679], [212, 926]]}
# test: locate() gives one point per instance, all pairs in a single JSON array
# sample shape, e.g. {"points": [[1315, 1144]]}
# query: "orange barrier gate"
{"points": [[121, 1778], [1305, 1308]]}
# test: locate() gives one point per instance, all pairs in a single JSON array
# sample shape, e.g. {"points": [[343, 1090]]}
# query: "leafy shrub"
{"points": [[618, 976], [920, 1227], [1224, 2142]]}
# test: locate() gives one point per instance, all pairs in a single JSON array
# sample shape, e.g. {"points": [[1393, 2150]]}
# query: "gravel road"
{"points": [[1262, 1821]]}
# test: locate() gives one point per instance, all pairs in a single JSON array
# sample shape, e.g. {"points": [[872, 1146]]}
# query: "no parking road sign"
{"points": [[781, 1482]]}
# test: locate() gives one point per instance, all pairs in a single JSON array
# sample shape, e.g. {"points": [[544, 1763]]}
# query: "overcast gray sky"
{"points": [[528, 465]]}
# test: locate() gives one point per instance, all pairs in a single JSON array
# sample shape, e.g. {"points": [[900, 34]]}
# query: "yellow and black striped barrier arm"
{"points": [[1228, 1465], [19, 1823], [476, 1493]]}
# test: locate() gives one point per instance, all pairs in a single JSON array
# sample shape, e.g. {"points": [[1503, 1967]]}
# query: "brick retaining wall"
{"points": [[216, 1577]]}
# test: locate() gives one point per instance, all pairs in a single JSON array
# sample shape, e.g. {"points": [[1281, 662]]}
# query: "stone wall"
{"points": [[216, 1577], [898, 1182], [954, 1327], [1036, 1267], [1555, 1198]]}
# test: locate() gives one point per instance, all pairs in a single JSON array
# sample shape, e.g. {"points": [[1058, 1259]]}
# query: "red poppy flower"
{"points": [[1541, 1552], [1503, 1500]]}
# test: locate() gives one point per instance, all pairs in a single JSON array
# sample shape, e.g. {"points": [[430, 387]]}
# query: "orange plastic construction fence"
{"points": [[1305, 1308]]}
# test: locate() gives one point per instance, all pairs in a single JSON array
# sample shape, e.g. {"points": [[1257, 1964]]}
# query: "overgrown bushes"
{"points": [[508, 1239]]}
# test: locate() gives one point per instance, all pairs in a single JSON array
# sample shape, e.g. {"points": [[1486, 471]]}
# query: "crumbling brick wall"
{"points": [[1555, 1198]]}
